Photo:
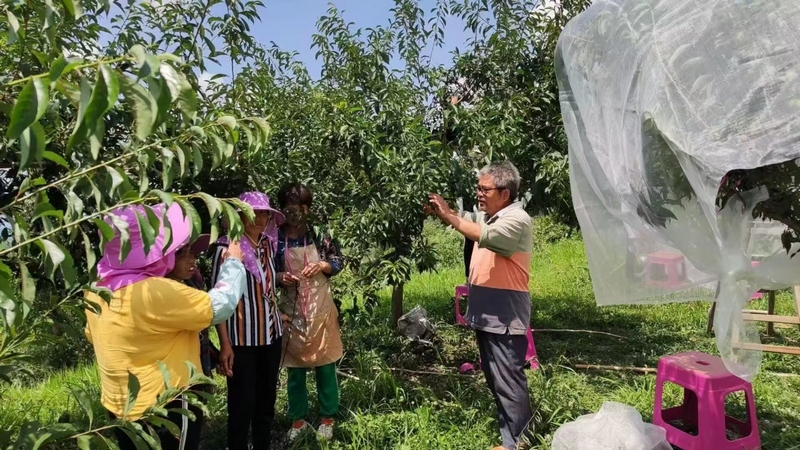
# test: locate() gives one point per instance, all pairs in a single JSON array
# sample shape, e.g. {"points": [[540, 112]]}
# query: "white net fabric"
{"points": [[660, 99]]}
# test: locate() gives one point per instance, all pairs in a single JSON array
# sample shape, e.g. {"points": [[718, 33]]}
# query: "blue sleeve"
{"points": [[230, 285]]}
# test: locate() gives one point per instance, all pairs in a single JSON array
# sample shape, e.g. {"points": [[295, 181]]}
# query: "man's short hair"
{"points": [[505, 176]]}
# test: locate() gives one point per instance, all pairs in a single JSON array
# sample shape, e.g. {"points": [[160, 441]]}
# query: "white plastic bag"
{"points": [[615, 427]]}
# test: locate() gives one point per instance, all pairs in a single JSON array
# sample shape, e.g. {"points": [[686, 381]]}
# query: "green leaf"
{"points": [[133, 393], [170, 57], [149, 65], [165, 374], [160, 91], [43, 209], [214, 206], [151, 439], [96, 138], [70, 90], [74, 8], [266, 131], [28, 283], [188, 210], [180, 90], [103, 443], [167, 172], [29, 107], [124, 235], [134, 437], [75, 206], [55, 256], [116, 180], [84, 442], [91, 257], [228, 122], [56, 69], [50, 12], [138, 52], [166, 423], [183, 412], [112, 85], [175, 81], [148, 234], [167, 229], [98, 195], [165, 197], [91, 122], [199, 132], [197, 160], [85, 403], [106, 232], [56, 158], [218, 152], [31, 145], [181, 159], [13, 27], [251, 143], [67, 267], [145, 107], [80, 132], [214, 235]]}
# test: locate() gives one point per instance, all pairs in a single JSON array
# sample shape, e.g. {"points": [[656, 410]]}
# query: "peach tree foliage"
{"points": [[85, 132]]}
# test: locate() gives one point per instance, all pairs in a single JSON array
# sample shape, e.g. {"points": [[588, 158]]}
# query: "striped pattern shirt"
{"points": [[257, 319]]}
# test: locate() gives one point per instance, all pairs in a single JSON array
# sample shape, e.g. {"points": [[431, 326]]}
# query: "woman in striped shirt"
{"points": [[250, 341]]}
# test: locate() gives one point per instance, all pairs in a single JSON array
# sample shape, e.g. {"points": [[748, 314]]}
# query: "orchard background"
{"points": [[86, 129]]}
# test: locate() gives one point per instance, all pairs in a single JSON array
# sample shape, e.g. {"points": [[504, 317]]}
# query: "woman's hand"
{"points": [[234, 250], [225, 361], [286, 279], [285, 319], [315, 268]]}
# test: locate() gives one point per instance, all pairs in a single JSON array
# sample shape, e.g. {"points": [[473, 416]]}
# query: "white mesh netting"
{"points": [[660, 99]]}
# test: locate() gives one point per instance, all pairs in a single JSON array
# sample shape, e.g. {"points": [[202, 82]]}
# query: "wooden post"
{"points": [[797, 299], [771, 319], [771, 312]]}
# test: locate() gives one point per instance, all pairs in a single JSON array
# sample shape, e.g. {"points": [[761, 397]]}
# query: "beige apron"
{"points": [[312, 339]]}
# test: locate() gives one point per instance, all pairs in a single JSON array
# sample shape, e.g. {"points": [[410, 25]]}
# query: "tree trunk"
{"points": [[397, 303]]}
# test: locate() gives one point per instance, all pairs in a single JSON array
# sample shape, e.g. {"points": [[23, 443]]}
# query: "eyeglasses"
{"points": [[485, 190]]}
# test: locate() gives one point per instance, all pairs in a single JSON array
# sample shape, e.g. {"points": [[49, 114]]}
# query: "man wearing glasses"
{"points": [[499, 301]]}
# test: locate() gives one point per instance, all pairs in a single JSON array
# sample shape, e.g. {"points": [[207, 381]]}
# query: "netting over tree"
{"points": [[661, 99]]}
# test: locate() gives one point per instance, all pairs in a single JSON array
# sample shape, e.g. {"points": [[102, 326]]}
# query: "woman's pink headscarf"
{"points": [[137, 266]]}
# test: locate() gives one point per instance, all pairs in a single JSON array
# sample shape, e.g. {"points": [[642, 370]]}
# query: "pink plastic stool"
{"points": [[674, 267], [461, 292], [530, 355], [706, 382]]}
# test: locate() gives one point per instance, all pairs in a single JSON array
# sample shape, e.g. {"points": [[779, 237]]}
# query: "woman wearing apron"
{"points": [[305, 263]]}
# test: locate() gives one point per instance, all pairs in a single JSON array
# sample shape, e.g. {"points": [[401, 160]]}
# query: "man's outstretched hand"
{"points": [[438, 206]]}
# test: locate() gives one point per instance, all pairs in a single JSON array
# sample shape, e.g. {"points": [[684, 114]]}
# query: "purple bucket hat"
{"points": [[260, 202]]}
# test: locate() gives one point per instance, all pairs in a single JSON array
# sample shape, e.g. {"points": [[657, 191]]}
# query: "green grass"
{"points": [[386, 408]]}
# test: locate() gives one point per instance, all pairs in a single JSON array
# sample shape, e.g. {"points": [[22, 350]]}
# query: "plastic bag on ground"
{"points": [[416, 326], [615, 427]]}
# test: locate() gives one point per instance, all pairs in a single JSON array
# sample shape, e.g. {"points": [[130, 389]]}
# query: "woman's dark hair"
{"points": [[294, 194]]}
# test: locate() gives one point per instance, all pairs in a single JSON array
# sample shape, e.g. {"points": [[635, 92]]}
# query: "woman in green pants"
{"points": [[305, 262]]}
